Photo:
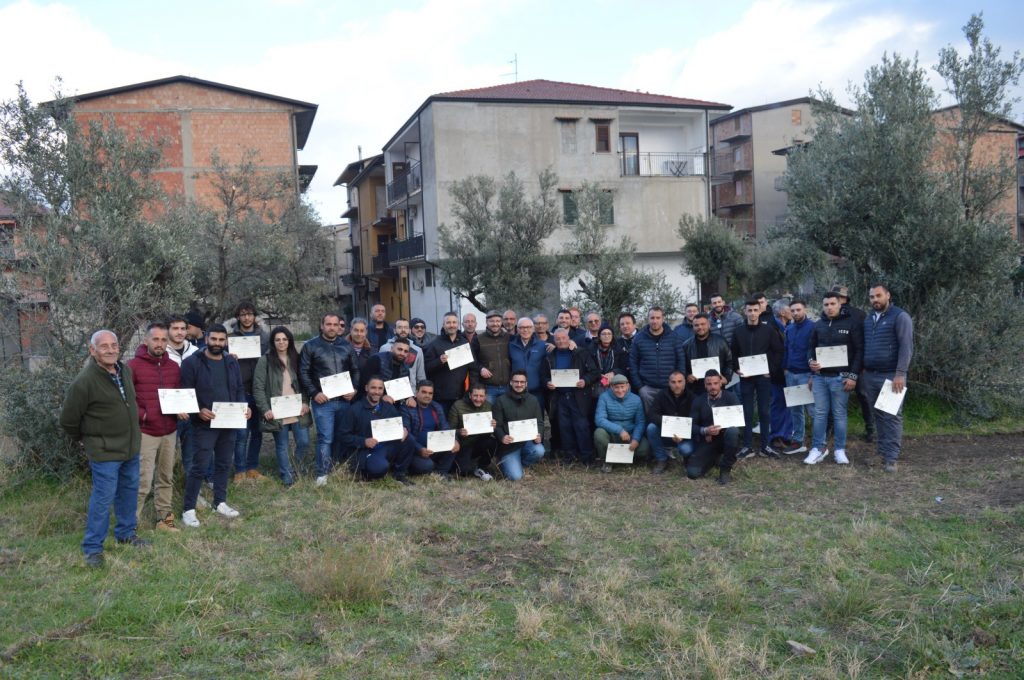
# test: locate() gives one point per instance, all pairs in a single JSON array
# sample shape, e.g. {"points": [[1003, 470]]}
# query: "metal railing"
{"points": [[662, 164], [407, 250], [405, 184]]}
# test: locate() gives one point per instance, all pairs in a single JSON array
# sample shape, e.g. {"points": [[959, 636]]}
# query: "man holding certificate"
{"points": [[834, 355], [888, 348], [703, 352], [576, 373], [798, 371], [325, 356], [714, 444], [250, 439], [446, 362], [512, 413], [373, 458], [216, 378], [154, 370], [421, 420], [389, 365], [757, 351], [671, 405], [473, 419], [620, 420], [495, 362]]}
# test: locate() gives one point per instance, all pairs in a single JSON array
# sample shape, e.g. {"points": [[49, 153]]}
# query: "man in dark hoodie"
{"points": [[449, 383], [250, 440], [751, 339], [676, 401]]}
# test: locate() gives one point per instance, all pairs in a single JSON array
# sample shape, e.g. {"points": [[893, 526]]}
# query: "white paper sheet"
{"points": [[729, 416], [523, 430], [888, 400], [441, 440], [387, 429], [798, 395], [173, 402], [478, 423], [398, 389], [337, 385], [459, 356], [619, 453], [230, 415], [678, 426], [244, 346], [832, 357], [756, 364], [286, 407], [702, 366], [564, 377]]}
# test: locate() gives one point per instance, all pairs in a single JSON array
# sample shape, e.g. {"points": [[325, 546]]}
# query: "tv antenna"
{"points": [[515, 67]]}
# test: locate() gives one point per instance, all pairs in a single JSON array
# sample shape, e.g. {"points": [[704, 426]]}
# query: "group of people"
{"points": [[494, 387]]}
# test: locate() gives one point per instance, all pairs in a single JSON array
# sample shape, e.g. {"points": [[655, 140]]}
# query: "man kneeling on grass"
{"points": [[714, 444], [373, 459]]}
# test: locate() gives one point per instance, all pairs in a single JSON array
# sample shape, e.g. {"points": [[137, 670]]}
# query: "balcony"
{"points": [[734, 129], [727, 163], [406, 184], [662, 164], [410, 250], [726, 196]]}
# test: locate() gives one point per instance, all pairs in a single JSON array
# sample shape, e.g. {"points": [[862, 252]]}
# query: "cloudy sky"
{"points": [[370, 65]]}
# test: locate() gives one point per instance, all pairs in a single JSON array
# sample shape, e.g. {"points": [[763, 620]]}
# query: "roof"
{"points": [[555, 92], [1005, 121], [357, 169], [303, 116], [774, 105]]}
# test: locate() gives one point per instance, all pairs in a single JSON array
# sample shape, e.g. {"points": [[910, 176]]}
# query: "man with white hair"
{"points": [[100, 413]]}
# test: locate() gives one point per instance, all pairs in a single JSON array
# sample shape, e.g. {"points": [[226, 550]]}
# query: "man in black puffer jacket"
{"points": [[751, 339], [449, 383], [703, 345]]}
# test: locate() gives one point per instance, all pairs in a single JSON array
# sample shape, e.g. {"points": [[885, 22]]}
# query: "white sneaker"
{"points": [[321, 481], [226, 510], [841, 458], [188, 518], [483, 475], [815, 456]]}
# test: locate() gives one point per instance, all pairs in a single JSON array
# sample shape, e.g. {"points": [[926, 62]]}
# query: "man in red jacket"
{"points": [[153, 370]]}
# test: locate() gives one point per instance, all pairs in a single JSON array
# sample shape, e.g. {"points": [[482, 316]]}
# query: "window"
{"points": [[428, 278], [738, 188], [737, 155], [603, 136], [629, 143], [796, 115], [7, 240], [570, 212], [567, 130]]}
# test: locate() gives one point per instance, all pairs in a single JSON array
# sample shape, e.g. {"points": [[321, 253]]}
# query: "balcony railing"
{"points": [[405, 184], [662, 164], [726, 162], [409, 250], [735, 128]]}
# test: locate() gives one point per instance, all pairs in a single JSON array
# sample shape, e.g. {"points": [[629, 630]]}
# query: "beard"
{"points": [[215, 350]]}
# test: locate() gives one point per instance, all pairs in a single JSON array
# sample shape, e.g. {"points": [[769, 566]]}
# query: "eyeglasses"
{"points": [[419, 325]]}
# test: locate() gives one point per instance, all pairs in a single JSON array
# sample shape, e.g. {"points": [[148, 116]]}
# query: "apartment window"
{"points": [[428, 277], [737, 155], [570, 212], [603, 136], [736, 123], [796, 115], [738, 187], [7, 241], [567, 133]]}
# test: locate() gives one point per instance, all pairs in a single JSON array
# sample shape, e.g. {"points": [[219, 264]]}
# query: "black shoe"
{"points": [[94, 560], [134, 541], [745, 452], [769, 452], [724, 478], [404, 481], [659, 467]]}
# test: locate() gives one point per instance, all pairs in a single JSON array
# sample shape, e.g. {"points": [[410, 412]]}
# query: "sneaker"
{"points": [[483, 475], [255, 475], [757, 429], [890, 466], [794, 447], [167, 524], [724, 478], [745, 452], [606, 468], [659, 467], [226, 510], [189, 519], [239, 477], [321, 480], [134, 541], [815, 456], [404, 481], [841, 458], [768, 452], [94, 560]]}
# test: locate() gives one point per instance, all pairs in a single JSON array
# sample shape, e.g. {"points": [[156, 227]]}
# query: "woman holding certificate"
{"points": [[280, 402]]}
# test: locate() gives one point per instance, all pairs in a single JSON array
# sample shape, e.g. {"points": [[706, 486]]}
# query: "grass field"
{"points": [[566, 574]]}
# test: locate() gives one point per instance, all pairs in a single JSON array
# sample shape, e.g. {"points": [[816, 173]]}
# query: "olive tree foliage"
{"points": [[255, 240], [602, 271], [87, 256], [494, 253], [713, 251], [867, 193]]}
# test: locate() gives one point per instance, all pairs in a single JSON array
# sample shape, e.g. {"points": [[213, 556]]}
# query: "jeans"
{"points": [[114, 482], [889, 427], [513, 462], [374, 463], [797, 413], [329, 418], [647, 395], [156, 459], [301, 436], [574, 428], [721, 450], [249, 441], [760, 388], [867, 407], [602, 438], [217, 445], [782, 422], [829, 398], [660, 445], [495, 392], [187, 441]]}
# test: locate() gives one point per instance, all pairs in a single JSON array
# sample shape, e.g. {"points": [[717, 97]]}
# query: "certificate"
{"points": [[459, 356], [230, 415], [888, 400], [798, 395], [729, 416], [441, 440], [832, 357], [565, 377], [286, 407], [701, 366], [674, 425], [756, 364], [523, 430], [244, 346], [398, 389], [173, 402], [387, 429], [336, 385], [619, 453], [478, 423]]}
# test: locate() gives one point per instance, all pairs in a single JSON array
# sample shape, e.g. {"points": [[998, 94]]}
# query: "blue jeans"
{"points": [[782, 422], [760, 388], [374, 463], [829, 397], [797, 413], [513, 462], [249, 441], [114, 482], [187, 441], [660, 445], [213, 450], [301, 436], [889, 427], [495, 392], [329, 419], [574, 428]]}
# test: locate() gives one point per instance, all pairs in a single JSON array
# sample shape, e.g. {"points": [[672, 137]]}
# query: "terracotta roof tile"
{"points": [[553, 91]]}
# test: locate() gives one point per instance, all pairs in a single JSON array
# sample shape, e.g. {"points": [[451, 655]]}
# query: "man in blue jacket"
{"points": [[420, 419], [655, 354], [620, 420], [216, 377], [798, 337], [372, 459], [888, 349]]}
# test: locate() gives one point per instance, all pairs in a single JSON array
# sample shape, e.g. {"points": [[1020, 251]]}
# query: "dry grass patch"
{"points": [[352, 574], [530, 620]]}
